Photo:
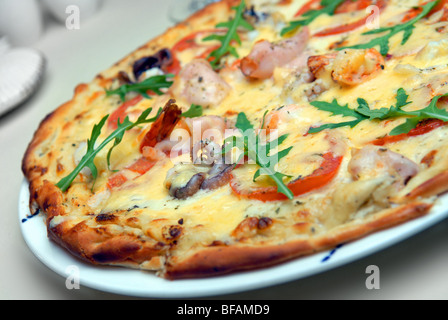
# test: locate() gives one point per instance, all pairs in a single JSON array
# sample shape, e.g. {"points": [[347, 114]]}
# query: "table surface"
{"points": [[412, 269]]}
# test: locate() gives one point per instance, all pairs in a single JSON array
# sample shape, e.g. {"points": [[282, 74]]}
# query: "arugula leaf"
{"points": [[385, 113], [328, 7], [363, 112], [116, 136], [194, 111], [336, 109], [383, 41], [231, 35], [252, 147], [154, 83], [243, 123], [430, 112]]}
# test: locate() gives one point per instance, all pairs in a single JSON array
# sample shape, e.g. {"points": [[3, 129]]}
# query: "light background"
{"points": [[413, 269]]}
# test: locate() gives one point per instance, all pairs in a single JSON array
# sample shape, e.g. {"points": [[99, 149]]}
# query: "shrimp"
{"points": [[163, 126], [317, 64], [348, 67], [199, 84], [150, 156], [355, 66], [266, 56], [373, 161]]}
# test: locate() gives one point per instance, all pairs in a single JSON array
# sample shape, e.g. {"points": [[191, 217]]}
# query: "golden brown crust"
{"points": [[219, 260], [97, 245], [213, 261], [432, 187]]}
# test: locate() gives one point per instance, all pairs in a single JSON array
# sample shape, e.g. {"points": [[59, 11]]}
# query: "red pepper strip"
{"points": [[354, 25], [174, 67], [422, 128], [347, 6], [350, 6], [441, 5], [160, 129], [319, 178], [185, 43], [141, 166], [189, 41], [413, 12], [342, 28], [310, 5], [121, 112]]}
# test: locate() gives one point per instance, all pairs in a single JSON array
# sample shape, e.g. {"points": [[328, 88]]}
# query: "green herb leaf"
{"points": [[363, 112], [328, 7], [231, 35], [430, 112], [194, 111], [383, 41], [243, 123], [407, 126], [154, 84], [385, 113], [336, 109], [116, 136], [251, 145]]}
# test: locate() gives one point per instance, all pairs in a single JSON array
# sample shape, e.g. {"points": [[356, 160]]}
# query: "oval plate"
{"points": [[146, 284]]}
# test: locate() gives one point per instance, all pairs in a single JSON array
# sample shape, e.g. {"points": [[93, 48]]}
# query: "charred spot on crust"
{"points": [[172, 233], [264, 223], [217, 243], [108, 255], [105, 217], [251, 226]]}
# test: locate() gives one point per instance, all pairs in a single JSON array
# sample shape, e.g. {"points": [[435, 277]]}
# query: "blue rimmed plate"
{"points": [[138, 283]]}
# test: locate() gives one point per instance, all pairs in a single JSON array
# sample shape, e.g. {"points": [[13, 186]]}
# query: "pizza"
{"points": [[253, 133]]}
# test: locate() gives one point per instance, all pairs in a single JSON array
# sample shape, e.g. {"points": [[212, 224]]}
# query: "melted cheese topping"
{"points": [[419, 66]]}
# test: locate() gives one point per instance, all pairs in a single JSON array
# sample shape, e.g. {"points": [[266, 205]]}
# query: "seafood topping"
{"points": [[373, 161], [266, 56], [186, 179]]}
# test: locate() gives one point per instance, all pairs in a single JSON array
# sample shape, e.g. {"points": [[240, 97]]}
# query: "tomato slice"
{"points": [[349, 6], [439, 6], [415, 11], [422, 128], [141, 166], [121, 112], [319, 178], [411, 14], [189, 41], [342, 28]]}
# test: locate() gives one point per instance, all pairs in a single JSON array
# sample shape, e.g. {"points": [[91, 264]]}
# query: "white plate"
{"points": [[145, 284]]}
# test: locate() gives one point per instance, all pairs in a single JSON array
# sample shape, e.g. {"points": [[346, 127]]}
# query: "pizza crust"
{"points": [[221, 259]]}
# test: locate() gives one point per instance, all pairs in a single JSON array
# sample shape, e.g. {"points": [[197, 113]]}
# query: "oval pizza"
{"points": [[253, 133]]}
